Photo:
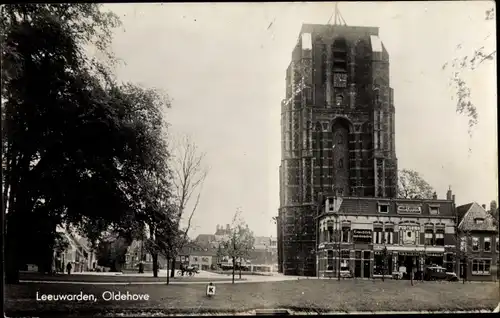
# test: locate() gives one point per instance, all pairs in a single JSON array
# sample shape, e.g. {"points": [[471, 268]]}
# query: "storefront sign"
{"points": [[409, 209], [357, 233]]}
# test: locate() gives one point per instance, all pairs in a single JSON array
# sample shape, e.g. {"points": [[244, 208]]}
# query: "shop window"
{"points": [[475, 244], [380, 264], [449, 259], [487, 244], [344, 263], [330, 260], [481, 266]]}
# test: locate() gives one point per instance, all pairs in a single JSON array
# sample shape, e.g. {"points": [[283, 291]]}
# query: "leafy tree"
{"points": [[74, 142], [494, 211], [239, 244], [189, 174], [458, 67], [111, 252], [413, 186]]}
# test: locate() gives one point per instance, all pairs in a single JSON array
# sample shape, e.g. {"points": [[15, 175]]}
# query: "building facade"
{"points": [[337, 134], [355, 232], [78, 252], [479, 244]]}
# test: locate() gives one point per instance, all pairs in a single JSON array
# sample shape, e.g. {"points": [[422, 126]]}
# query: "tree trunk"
{"points": [[13, 243], [168, 273], [173, 267], [240, 270], [154, 256], [465, 272], [234, 263]]}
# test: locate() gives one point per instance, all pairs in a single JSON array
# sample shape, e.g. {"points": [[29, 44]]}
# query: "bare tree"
{"points": [[239, 244], [413, 186], [463, 239], [468, 62], [189, 174]]}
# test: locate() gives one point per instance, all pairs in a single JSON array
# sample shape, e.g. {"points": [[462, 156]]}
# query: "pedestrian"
{"points": [[183, 269], [69, 267]]}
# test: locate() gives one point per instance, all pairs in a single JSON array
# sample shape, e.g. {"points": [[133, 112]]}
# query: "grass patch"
{"points": [[300, 295]]}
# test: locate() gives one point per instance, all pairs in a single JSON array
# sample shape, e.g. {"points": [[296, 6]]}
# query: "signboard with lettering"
{"points": [[362, 233], [210, 290], [409, 209]]}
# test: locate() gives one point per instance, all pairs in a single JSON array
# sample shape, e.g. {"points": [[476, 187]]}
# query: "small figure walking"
{"points": [[68, 268]]}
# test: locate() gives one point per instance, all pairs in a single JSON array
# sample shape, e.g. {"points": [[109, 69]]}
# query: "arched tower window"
{"points": [[339, 50], [339, 100]]}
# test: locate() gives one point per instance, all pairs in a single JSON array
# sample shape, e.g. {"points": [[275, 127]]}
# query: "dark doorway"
{"points": [[366, 269], [357, 268]]}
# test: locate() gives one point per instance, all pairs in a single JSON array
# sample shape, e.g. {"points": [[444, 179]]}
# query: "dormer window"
{"points": [[433, 209], [383, 207], [478, 220]]}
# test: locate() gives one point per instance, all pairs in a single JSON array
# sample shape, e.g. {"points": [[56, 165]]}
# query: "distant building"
{"points": [[79, 253], [478, 235], [264, 253]]}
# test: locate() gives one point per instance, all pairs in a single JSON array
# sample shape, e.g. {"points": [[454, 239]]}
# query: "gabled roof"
{"points": [[472, 212], [461, 210]]}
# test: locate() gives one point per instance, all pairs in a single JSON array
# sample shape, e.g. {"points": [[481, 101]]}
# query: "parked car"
{"points": [[439, 273]]}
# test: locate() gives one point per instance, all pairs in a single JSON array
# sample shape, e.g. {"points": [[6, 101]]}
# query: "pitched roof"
{"points": [[205, 238], [475, 211], [462, 209]]}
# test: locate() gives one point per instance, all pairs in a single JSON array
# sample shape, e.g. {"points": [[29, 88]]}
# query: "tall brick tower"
{"points": [[337, 132]]}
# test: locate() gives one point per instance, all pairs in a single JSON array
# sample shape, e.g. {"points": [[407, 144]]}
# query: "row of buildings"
{"points": [[203, 253], [339, 202]]}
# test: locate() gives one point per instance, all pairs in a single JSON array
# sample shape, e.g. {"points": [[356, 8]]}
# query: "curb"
{"points": [[141, 283]]}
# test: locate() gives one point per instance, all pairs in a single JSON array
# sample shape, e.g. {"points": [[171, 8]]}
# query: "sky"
{"points": [[223, 65]]}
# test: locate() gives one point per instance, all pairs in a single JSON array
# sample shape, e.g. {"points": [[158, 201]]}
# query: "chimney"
{"points": [[434, 196], [227, 227], [484, 206], [453, 198], [449, 194]]}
